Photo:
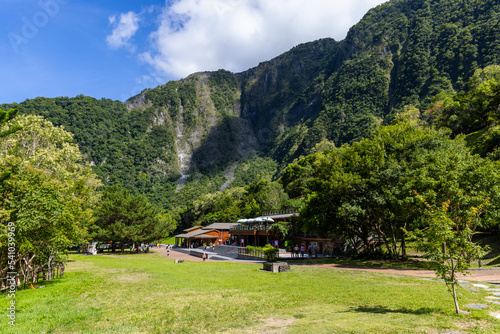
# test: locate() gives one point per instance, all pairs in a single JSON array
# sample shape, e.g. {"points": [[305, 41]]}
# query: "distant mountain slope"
{"points": [[219, 129]]}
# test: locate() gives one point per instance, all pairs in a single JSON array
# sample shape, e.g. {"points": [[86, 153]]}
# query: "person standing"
{"points": [[204, 256]]}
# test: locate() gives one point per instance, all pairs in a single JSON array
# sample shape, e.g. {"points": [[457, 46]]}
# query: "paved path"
{"points": [[178, 255]]}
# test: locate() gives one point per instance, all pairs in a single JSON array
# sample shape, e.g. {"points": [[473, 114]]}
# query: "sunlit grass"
{"points": [[146, 293]]}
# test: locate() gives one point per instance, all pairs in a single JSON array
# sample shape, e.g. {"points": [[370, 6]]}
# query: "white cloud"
{"points": [[123, 31], [200, 35]]}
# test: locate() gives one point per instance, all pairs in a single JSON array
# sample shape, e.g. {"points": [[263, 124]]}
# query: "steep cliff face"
{"points": [[219, 118], [203, 111]]}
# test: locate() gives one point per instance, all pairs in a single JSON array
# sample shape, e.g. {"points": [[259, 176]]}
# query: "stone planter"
{"points": [[276, 267]]}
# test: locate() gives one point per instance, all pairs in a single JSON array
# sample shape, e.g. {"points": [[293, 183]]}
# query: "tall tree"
{"points": [[50, 195], [365, 190], [447, 242], [127, 218]]}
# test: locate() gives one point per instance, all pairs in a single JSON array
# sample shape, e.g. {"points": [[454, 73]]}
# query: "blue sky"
{"points": [[115, 49]]}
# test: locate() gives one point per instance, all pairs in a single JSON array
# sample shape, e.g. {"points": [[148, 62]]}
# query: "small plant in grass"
{"points": [[270, 253], [447, 242]]}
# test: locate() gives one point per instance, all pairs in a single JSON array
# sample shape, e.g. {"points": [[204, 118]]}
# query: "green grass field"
{"points": [[147, 293]]}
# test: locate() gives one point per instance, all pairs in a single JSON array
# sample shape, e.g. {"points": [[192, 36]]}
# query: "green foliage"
{"points": [[365, 191], [400, 53], [234, 203], [270, 253], [447, 241], [121, 145], [311, 99], [48, 199], [127, 218], [224, 89], [475, 110], [6, 116], [254, 168], [281, 230]]}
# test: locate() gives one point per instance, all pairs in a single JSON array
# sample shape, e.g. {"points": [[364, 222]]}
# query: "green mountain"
{"points": [[215, 130]]}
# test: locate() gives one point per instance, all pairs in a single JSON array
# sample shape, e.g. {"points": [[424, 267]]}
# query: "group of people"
{"points": [[311, 251], [143, 248]]}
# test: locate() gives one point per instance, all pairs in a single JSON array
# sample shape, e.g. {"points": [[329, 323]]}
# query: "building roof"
{"points": [[193, 234], [220, 226], [194, 228]]}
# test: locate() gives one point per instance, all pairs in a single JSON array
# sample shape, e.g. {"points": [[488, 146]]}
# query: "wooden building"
{"points": [[216, 233]]}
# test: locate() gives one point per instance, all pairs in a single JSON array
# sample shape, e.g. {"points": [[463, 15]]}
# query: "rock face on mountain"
{"points": [[214, 129]]}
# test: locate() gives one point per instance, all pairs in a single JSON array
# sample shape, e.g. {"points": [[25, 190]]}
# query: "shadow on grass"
{"points": [[495, 262], [41, 284], [384, 264], [385, 310]]}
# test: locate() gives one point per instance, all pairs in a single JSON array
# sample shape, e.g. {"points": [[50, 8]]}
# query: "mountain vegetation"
{"points": [[344, 130]]}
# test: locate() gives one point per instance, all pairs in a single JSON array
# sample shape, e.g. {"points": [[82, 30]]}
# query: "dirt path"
{"points": [[479, 275]]}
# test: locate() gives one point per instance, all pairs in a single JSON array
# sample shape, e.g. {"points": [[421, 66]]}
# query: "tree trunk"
{"points": [[403, 245], [454, 293], [394, 254], [63, 267]]}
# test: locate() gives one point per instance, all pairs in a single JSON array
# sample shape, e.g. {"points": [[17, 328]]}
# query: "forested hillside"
{"points": [[217, 130]]}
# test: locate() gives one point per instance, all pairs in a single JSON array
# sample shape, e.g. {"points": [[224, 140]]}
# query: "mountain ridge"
{"points": [[183, 138]]}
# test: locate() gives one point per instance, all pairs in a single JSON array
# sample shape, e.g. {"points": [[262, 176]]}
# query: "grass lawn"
{"points": [[147, 293]]}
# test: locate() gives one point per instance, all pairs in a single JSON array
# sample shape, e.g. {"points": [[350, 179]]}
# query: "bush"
{"points": [[270, 253]]}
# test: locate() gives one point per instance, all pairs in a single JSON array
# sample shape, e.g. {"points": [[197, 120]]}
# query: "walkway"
{"points": [[174, 255], [186, 257]]}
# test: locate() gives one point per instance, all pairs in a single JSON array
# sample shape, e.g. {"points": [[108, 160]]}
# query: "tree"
{"points": [[365, 190], [6, 116], [49, 196], [446, 240], [281, 229], [127, 218], [47, 220]]}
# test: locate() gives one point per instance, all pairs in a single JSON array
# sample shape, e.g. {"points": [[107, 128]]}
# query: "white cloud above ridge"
{"points": [[201, 35], [124, 29]]}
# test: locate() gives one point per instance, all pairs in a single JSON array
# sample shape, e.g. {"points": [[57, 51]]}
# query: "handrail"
{"points": [[250, 228], [279, 212], [251, 252]]}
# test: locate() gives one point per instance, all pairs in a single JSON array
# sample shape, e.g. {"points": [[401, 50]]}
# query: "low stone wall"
{"points": [[276, 267]]}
